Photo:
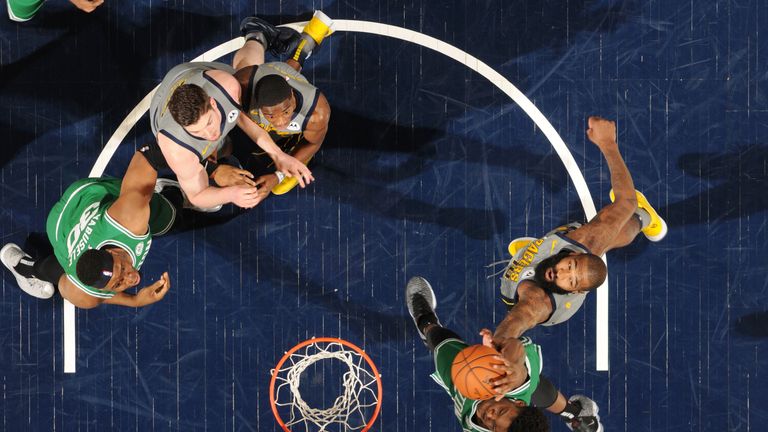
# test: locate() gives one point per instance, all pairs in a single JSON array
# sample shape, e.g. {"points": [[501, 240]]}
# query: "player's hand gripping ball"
{"points": [[473, 372]]}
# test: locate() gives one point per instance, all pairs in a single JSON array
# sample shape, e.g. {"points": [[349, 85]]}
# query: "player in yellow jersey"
{"points": [[548, 278]]}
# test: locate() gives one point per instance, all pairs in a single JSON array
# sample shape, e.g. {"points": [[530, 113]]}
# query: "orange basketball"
{"points": [[472, 372]]}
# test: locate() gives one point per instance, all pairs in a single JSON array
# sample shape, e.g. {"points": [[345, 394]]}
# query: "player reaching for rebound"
{"points": [[548, 278], [279, 99], [101, 231], [520, 391]]}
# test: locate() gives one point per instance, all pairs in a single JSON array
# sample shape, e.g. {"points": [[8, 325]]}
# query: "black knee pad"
{"points": [[436, 335], [48, 269]]}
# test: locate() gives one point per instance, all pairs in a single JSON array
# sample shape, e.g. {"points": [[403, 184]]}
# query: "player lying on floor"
{"points": [[279, 99], [101, 231]]}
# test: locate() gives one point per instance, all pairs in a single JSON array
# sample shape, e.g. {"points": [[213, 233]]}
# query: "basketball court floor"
{"points": [[429, 169]]}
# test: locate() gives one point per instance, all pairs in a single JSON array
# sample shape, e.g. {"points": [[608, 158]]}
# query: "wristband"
{"points": [[571, 411], [280, 176]]}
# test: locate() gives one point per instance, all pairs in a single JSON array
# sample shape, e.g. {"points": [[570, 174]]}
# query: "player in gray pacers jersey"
{"points": [[194, 108], [279, 99], [101, 232], [548, 278], [521, 391]]}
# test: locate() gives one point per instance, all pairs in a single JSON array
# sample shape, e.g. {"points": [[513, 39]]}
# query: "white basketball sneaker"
{"points": [[10, 255]]}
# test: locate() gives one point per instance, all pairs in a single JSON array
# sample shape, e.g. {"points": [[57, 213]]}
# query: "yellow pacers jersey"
{"points": [[522, 267]]}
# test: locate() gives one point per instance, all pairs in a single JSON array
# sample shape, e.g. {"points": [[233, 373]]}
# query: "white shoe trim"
{"points": [[662, 234], [32, 286]]}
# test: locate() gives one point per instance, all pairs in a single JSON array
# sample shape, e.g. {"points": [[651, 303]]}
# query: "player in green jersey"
{"points": [[520, 391], [101, 231]]}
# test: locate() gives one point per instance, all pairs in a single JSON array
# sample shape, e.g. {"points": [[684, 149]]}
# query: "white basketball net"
{"points": [[351, 410]]}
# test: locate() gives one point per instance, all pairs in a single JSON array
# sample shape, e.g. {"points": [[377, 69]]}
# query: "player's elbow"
{"points": [[195, 200], [83, 305]]}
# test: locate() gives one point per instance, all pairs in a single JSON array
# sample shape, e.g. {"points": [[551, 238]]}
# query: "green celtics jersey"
{"points": [[465, 408], [79, 221]]}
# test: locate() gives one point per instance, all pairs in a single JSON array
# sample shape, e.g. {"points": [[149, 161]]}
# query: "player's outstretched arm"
{"points": [[602, 133], [194, 180], [601, 232], [532, 309], [131, 209], [148, 295]]}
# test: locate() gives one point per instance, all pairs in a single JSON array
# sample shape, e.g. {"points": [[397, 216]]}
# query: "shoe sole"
{"points": [[2, 256], [270, 32], [409, 291], [643, 203], [411, 288]]}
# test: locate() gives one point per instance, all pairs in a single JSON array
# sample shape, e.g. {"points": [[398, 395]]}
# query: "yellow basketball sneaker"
{"points": [[319, 27], [285, 186], [657, 229], [519, 244]]}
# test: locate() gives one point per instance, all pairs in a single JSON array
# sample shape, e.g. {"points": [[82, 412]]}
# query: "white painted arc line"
{"points": [[601, 315], [70, 359], [136, 113], [100, 165], [468, 60]]}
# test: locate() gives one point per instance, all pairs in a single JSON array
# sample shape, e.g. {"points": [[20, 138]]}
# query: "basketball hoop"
{"points": [[356, 408]]}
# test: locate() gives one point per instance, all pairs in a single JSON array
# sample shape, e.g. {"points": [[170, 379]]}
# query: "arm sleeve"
{"points": [[545, 394]]}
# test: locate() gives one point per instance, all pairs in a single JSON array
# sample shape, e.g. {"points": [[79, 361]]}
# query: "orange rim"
{"points": [[350, 345]]}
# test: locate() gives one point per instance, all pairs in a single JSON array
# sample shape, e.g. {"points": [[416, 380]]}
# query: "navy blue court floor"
{"points": [[428, 169]]}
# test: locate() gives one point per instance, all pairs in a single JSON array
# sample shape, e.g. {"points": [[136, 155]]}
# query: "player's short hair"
{"points": [[271, 90], [596, 273], [530, 419], [187, 103], [94, 267]]}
